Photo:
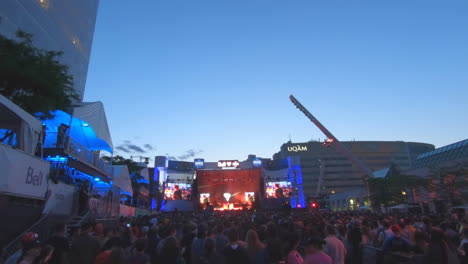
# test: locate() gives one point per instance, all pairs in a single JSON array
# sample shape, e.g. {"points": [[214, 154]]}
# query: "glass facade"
{"points": [[452, 152], [339, 174], [66, 26]]}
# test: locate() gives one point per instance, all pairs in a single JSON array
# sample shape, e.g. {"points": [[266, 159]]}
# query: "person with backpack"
{"points": [[395, 244], [383, 233]]}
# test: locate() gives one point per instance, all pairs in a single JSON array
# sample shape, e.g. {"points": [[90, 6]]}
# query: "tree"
{"points": [[390, 190], [134, 170], [33, 78]]}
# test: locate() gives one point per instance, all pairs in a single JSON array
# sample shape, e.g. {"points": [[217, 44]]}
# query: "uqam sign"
{"points": [[297, 148]]}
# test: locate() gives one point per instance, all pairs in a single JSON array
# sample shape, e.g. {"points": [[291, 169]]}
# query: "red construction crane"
{"points": [[333, 141]]}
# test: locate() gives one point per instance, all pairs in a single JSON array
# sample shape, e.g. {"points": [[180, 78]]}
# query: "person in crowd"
{"points": [[31, 255], [384, 232], [167, 232], [139, 256], [441, 250], [355, 242], [198, 244], [292, 244], [211, 255], [333, 246], [235, 253], [463, 247], [188, 235], [395, 246], [28, 241], [274, 247], [421, 243], [314, 253], [85, 247], [60, 244], [83, 198], [221, 240], [45, 255], [255, 248], [170, 253], [107, 234]]}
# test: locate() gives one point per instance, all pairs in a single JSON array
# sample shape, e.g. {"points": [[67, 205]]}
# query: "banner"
{"points": [[60, 199], [22, 174]]}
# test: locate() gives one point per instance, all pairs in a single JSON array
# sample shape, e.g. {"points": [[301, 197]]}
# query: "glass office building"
{"points": [[66, 26], [339, 173]]}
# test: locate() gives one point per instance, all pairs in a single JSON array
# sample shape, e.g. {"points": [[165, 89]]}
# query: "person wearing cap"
{"points": [[394, 244], [314, 253], [28, 241]]}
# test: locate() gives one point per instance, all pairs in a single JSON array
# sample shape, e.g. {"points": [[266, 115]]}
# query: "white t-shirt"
{"points": [[335, 249]]}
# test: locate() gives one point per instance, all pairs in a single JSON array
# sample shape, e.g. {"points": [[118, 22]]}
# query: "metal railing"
{"points": [[74, 148], [41, 227]]}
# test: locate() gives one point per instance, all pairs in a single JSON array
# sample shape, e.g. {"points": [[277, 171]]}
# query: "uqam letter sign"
{"points": [[297, 148]]}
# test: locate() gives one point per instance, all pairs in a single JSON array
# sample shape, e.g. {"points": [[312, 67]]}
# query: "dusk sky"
{"points": [[215, 75]]}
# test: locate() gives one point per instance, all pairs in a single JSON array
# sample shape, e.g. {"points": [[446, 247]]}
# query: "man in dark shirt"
{"points": [[177, 193], [60, 244], [85, 247], [235, 253]]}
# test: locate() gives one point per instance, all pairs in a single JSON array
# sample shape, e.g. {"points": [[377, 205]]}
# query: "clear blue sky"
{"points": [[215, 75]]}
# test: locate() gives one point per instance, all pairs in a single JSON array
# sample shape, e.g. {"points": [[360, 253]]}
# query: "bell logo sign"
{"points": [[297, 148], [228, 164]]}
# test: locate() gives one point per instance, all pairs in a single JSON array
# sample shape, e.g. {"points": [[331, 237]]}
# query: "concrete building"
{"points": [[338, 173], [66, 26]]}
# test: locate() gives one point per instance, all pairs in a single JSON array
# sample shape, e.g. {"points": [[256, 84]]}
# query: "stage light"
{"points": [[96, 179], [314, 205], [227, 196]]}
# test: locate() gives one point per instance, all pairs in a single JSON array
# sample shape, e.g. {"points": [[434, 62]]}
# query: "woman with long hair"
{"points": [[255, 248]]}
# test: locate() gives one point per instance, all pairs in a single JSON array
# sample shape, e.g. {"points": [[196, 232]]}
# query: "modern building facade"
{"points": [[338, 173], [446, 169], [66, 26]]}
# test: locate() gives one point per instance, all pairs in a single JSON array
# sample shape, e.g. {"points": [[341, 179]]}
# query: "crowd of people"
{"points": [[292, 237]]}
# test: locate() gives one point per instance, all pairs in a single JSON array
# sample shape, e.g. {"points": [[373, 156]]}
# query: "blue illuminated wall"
{"points": [[295, 176]]}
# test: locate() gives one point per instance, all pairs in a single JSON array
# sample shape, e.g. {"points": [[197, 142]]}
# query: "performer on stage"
{"points": [[177, 193], [278, 191]]}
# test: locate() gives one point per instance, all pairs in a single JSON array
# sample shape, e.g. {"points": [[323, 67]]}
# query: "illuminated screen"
{"points": [[204, 198], [185, 191], [273, 189]]}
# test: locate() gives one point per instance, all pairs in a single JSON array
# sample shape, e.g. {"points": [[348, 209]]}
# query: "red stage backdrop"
{"points": [[235, 182]]}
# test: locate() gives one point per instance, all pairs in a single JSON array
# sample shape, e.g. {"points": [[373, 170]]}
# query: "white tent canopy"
{"points": [[94, 114], [26, 126], [122, 178]]}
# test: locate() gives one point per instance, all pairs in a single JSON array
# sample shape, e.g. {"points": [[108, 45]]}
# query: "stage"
{"points": [[229, 189]]}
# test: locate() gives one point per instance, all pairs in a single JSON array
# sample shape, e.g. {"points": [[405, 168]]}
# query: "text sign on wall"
{"points": [[228, 164], [297, 148]]}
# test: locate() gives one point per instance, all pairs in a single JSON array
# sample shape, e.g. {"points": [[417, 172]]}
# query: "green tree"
{"points": [[33, 78], [387, 191], [134, 170]]}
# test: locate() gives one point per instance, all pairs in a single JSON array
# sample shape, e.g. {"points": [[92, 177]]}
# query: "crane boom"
{"points": [[332, 139]]}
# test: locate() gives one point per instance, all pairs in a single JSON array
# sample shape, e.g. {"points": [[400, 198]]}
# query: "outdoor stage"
{"points": [[229, 189]]}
